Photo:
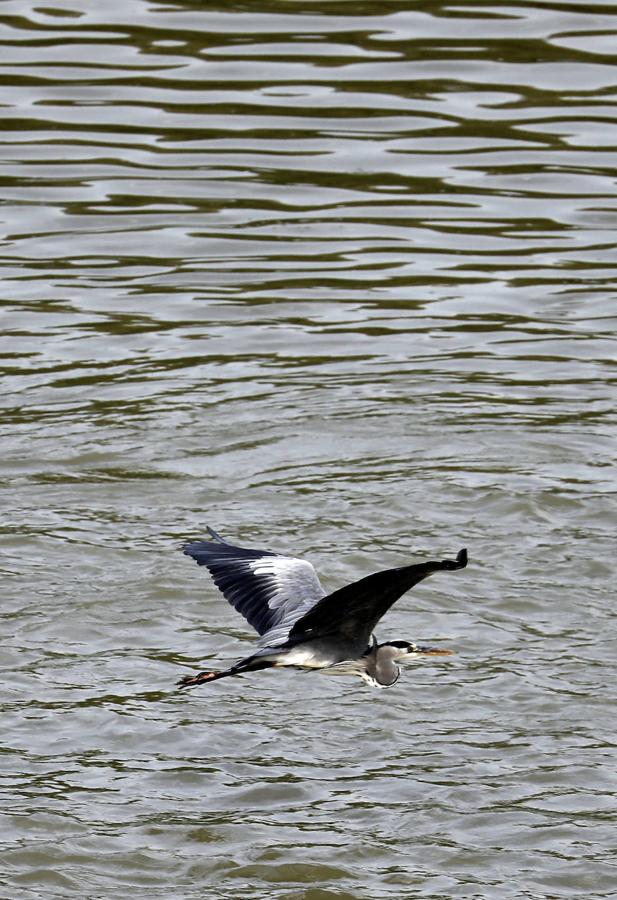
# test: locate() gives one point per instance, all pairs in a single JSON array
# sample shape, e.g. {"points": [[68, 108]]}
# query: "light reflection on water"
{"points": [[339, 282]]}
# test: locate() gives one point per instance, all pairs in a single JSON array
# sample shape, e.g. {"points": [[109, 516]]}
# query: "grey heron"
{"points": [[299, 624]]}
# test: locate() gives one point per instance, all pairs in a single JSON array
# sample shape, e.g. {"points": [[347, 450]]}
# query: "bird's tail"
{"points": [[250, 664]]}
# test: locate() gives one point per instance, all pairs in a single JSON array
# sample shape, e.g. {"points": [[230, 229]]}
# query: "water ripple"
{"points": [[339, 281]]}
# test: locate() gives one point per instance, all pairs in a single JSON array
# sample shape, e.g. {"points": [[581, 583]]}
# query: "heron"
{"points": [[299, 624]]}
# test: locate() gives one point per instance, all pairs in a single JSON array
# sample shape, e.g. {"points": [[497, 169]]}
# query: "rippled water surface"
{"points": [[337, 279]]}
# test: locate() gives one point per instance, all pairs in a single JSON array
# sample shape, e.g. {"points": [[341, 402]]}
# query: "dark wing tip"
{"points": [[459, 563], [216, 536], [195, 549], [200, 551]]}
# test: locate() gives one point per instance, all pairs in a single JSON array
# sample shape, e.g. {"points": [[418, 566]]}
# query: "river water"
{"points": [[337, 279]]}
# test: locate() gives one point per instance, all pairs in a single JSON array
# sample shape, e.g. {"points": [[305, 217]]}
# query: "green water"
{"points": [[337, 279]]}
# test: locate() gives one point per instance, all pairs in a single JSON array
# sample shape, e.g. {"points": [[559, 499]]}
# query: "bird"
{"points": [[299, 624]]}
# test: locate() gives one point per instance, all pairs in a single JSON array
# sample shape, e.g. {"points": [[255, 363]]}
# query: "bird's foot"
{"points": [[192, 680]]}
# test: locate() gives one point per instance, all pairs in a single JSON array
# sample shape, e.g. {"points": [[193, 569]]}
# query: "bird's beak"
{"points": [[433, 651]]}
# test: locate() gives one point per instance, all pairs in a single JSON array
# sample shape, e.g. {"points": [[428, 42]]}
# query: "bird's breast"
{"points": [[305, 656], [317, 653]]}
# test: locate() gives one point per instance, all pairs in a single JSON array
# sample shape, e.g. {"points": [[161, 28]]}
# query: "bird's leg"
{"points": [[201, 677], [245, 665]]}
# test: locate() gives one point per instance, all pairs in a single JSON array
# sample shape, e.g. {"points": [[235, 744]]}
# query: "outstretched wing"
{"points": [[353, 611], [269, 590]]}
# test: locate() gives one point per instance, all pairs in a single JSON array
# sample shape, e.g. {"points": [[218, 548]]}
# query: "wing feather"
{"points": [[271, 591], [354, 610]]}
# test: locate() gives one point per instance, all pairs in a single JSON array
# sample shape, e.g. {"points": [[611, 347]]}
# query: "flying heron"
{"points": [[299, 624]]}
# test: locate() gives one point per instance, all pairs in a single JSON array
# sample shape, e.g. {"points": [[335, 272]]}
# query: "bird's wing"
{"points": [[353, 611], [269, 590]]}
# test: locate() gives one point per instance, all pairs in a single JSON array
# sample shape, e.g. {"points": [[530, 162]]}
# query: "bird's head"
{"points": [[407, 649]]}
